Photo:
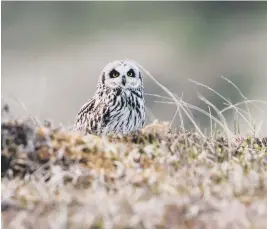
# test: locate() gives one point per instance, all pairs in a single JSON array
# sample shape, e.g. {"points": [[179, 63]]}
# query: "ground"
{"points": [[155, 178]]}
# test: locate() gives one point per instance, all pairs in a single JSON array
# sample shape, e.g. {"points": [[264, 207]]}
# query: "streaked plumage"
{"points": [[118, 105]]}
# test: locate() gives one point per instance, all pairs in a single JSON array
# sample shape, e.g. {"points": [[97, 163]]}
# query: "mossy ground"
{"points": [[52, 178]]}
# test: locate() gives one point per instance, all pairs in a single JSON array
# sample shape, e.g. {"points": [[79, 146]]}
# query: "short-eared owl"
{"points": [[118, 105]]}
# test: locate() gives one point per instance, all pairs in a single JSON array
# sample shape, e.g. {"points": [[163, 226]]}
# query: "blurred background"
{"points": [[53, 52]]}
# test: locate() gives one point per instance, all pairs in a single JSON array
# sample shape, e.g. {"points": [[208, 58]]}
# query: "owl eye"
{"points": [[114, 74], [131, 73]]}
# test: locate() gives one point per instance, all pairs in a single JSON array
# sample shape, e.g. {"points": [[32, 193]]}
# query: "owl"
{"points": [[118, 105]]}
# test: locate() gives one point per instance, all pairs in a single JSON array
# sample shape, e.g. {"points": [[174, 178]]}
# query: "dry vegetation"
{"points": [[53, 178]]}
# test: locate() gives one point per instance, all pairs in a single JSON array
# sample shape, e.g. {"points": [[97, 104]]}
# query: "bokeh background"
{"points": [[53, 52]]}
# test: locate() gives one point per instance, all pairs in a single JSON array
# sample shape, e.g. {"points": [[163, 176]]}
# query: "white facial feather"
{"points": [[122, 67]]}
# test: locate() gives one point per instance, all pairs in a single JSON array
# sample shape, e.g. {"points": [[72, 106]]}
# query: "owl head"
{"points": [[123, 74]]}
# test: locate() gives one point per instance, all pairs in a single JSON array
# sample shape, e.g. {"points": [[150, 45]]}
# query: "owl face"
{"points": [[122, 74]]}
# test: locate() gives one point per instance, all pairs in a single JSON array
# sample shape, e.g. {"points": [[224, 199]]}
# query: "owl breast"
{"points": [[126, 112]]}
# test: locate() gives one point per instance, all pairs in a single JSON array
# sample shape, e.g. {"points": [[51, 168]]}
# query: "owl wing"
{"points": [[85, 115], [90, 117]]}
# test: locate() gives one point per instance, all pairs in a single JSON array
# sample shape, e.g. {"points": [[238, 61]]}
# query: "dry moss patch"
{"points": [[53, 178]]}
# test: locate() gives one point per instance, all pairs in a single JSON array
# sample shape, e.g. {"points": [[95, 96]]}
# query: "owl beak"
{"points": [[123, 81]]}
